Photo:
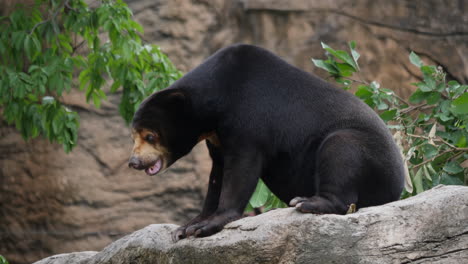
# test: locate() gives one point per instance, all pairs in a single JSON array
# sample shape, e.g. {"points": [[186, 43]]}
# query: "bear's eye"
{"points": [[150, 138]]}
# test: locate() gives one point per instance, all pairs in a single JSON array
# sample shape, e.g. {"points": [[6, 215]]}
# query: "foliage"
{"points": [[263, 198], [431, 128], [3, 260], [42, 53]]}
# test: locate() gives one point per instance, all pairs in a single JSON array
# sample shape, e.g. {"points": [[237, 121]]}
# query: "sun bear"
{"points": [[315, 146]]}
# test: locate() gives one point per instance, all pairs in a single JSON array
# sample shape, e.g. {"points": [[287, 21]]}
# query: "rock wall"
{"points": [[54, 202], [51, 202]]}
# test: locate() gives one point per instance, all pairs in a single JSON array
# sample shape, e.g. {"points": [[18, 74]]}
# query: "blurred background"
{"points": [[52, 202]]}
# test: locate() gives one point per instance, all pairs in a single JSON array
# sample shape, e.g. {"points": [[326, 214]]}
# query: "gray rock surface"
{"points": [[429, 228]]}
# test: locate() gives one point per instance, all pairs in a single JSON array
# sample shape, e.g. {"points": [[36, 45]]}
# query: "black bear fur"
{"points": [[304, 137]]}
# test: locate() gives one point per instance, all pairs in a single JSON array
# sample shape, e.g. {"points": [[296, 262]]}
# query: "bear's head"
{"points": [[163, 130]]}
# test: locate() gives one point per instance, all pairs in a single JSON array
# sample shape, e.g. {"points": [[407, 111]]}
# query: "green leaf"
{"points": [[27, 47], [364, 92], [354, 53], [426, 173], [375, 86], [387, 91], [460, 105], [3, 260], [418, 181], [274, 202], [55, 83], [453, 167], [326, 66], [450, 180], [3, 47], [96, 100], [260, 195], [429, 150], [48, 100], [344, 82], [248, 208], [453, 84], [430, 168], [65, 43], [345, 69], [461, 143], [382, 106], [55, 126], [342, 55], [84, 78], [18, 39], [37, 46], [115, 86], [430, 83], [429, 70], [440, 87], [433, 98], [388, 115], [459, 90], [418, 97], [136, 26], [415, 60], [423, 87]]}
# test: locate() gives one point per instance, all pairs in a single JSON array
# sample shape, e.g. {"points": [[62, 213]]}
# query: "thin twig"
{"points": [[75, 48], [432, 159], [401, 99], [69, 7], [38, 24], [411, 108], [362, 81], [456, 156], [354, 80], [54, 15], [361, 78], [448, 144], [437, 138]]}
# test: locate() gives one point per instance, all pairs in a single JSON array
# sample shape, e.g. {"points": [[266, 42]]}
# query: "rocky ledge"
{"points": [[431, 227]]}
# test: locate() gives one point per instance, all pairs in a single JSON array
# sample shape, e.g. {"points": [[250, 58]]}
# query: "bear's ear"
{"points": [[174, 99]]}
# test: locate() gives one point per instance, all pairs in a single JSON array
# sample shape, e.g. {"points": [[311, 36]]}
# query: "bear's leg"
{"points": [[339, 170], [242, 169], [212, 196]]}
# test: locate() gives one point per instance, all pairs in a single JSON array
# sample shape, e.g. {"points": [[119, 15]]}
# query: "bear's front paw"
{"points": [[212, 225], [180, 233], [205, 228]]}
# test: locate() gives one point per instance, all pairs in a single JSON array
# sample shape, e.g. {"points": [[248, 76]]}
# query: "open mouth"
{"points": [[155, 168]]}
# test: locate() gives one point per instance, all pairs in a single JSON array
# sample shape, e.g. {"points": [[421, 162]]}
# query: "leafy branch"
{"points": [[40, 64], [436, 112], [51, 18]]}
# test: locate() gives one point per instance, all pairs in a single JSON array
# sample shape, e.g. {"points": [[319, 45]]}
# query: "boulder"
{"points": [[431, 227]]}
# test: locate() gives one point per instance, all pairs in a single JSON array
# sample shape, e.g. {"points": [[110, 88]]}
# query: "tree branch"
{"points": [[411, 108], [54, 15], [432, 159], [437, 138]]}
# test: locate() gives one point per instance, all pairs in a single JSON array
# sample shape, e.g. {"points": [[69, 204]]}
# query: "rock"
{"points": [[70, 258], [430, 227]]}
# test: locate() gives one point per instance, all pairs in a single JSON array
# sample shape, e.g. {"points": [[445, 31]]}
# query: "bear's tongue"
{"points": [[155, 168]]}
